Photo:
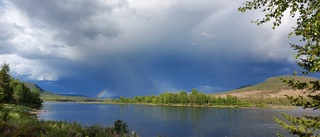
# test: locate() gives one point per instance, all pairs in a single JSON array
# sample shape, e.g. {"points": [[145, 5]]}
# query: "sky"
{"points": [[141, 47]]}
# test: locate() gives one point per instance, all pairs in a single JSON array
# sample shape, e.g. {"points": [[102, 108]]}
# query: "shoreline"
{"points": [[37, 111], [192, 105]]}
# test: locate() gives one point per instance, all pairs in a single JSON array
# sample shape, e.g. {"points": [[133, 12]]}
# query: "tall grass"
{"points": [[16, 121]]}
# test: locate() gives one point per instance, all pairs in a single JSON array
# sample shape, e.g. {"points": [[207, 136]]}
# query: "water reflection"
{"points": [[173, 121]]}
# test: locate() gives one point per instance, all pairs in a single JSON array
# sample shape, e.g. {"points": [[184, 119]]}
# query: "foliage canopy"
{"points": [[14, 91], [5, 91], [307, 29]]}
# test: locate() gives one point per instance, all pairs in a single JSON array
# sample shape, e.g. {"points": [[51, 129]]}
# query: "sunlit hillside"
{"points": [[272, 87]]}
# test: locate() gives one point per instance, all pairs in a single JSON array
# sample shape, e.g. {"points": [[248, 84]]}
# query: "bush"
{"points": [[120, 128]]}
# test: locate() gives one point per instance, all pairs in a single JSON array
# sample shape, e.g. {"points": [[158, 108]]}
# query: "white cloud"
{"points": [[236, 37], [205, 34], [33, 69], [29, 45]]}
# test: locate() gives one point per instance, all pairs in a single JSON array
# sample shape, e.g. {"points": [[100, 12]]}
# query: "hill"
{"points": [[274, 83], [272, 87], [49, 96], [33, 87]]}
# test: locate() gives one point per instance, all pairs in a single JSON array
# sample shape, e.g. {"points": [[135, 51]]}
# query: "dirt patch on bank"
{"points": [[263, 94]]}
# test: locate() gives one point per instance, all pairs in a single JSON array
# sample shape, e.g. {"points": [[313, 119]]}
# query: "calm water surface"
{"points": [[150, 121]]}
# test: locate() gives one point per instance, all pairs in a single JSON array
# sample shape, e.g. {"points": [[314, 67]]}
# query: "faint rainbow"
{"points": [[102, 94]]}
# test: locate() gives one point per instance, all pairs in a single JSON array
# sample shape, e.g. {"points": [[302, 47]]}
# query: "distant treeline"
{"points": [[196, 98], [182, 98]]}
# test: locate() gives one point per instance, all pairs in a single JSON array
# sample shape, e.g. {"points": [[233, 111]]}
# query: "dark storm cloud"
{"points": [[140, 47], [73, 20]]}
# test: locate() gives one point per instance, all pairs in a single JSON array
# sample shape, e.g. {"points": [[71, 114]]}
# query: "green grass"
{"points": [[274, 83], [17, 121], [48, 96]]}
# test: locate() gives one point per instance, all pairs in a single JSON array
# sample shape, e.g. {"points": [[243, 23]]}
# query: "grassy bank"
{"points": [[18, 121], [48, 96], [258, 104]]}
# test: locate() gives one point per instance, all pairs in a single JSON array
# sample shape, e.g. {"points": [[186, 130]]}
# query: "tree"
{"points": [[136, 99], [120, 128], [183, 97], [167, 98], [5, 91], [308, 54], [122, 99], [18, 91], [194, 96], [14, 91], [202, 99], [22, 95]]}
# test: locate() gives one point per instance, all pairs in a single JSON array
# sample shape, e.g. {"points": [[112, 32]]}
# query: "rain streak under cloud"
{"points": [[140, 47]]}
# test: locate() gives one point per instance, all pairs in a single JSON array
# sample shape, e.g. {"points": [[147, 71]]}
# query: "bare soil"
{"points": [[264, 94]]}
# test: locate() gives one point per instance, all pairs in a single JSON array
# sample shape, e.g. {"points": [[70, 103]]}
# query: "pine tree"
{"points": [[5, 90]]}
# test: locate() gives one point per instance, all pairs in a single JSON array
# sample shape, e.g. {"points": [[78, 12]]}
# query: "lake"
{"points": [[150, 121]]}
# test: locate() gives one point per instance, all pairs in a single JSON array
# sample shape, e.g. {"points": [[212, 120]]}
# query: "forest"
{"points": [[15, 92], [195, 98]]}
